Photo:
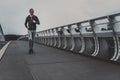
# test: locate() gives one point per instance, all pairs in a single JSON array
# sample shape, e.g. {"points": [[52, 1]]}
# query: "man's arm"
{"points": [[26, 22], [37, 20]]}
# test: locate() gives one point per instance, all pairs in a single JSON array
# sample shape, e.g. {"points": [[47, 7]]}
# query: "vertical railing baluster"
{"points": [[92, 24], [112, 21], [82, 38]]}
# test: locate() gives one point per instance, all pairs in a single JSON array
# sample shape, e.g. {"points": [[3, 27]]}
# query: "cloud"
{"points": [[52, 13]]}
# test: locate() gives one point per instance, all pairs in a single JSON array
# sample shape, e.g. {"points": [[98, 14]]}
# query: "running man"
{"points": [[30, 24]]}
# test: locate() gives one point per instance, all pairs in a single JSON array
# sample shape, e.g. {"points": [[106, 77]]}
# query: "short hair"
{"points": [[31, 9]]}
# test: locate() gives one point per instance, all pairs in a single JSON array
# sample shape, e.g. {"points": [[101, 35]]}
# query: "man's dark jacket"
{"points": [[29, 22]]}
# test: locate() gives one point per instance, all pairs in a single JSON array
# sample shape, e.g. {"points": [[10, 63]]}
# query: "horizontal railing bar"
{"points": [[81, 22]]}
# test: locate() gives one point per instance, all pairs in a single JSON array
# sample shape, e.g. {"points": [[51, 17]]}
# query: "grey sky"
{"points": [[52, 13]]}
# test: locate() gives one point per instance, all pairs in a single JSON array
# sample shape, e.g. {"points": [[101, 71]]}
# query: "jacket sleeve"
{"points": [[37, 20], [26, 21]]}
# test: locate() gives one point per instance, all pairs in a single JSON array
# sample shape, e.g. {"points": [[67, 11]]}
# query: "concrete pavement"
{"points": [[52, 64]]}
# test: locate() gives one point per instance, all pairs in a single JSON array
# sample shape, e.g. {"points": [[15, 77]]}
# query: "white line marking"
{"points": [[2, 51]]}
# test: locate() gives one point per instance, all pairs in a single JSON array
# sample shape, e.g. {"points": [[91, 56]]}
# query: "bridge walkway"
{"points": [[52, 64]]}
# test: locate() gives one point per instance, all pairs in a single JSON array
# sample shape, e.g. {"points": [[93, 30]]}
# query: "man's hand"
{"points": [[27, 27], [34, 21]]}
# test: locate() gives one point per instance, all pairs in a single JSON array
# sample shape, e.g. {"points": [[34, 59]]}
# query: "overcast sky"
{"points": [[52, 13]]}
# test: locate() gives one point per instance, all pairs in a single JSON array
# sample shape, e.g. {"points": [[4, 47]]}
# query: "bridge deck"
{"points": [[52, 64]]}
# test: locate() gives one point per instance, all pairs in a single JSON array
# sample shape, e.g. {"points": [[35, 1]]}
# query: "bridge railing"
{"points": [[99, 37], [2, 38]]}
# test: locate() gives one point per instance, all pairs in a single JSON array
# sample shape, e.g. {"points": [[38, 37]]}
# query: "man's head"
{"points": [[31, 11]]}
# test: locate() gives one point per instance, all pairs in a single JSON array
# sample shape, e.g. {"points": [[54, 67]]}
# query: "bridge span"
{"points": [[86, 50]]}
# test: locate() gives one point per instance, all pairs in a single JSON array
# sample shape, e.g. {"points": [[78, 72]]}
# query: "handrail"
{"points": [[94, 19]]}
